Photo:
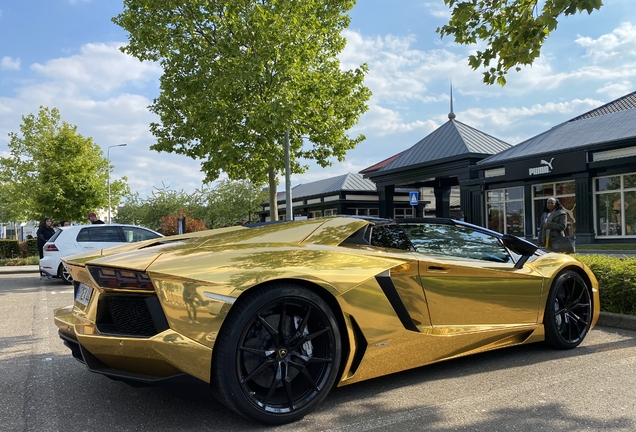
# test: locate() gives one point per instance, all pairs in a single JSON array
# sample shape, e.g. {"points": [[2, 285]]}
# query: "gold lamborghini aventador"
{"points": [[273, 315]]}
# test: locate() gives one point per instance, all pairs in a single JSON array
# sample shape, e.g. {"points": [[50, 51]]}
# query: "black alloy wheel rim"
{"points": [[572, 310], [286, 355]]}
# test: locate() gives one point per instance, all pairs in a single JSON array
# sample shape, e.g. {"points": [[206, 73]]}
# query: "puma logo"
{"points": [[544, 162]]}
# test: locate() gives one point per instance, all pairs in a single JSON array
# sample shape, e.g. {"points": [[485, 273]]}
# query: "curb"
{"points": [[609, 319]]}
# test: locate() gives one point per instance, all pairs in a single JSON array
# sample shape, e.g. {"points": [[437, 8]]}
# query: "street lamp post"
{"points": [[108, 156]]}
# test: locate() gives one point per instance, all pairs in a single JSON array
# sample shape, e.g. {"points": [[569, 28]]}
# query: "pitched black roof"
{"points": [[613, 121], [452, 139], [345, 182]]}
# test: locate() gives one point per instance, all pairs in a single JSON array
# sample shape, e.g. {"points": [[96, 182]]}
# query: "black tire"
{"points": [[64, 274], [568, 311], [277, 355]]}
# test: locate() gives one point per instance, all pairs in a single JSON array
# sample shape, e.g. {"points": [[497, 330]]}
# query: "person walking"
{"points": [[44, 233], [93, 218], [553, 222]]}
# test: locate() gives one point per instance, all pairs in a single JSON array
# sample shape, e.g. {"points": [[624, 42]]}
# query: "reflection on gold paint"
{"points": [[470, 293], [189, 311], [334, 231], [166, 354]]}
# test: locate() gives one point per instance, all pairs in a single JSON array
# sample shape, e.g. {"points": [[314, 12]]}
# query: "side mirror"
{"points": [[519, 246]]}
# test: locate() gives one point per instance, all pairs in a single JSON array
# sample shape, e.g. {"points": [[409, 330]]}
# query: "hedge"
{"points": [[616, 280], [16, 249]]}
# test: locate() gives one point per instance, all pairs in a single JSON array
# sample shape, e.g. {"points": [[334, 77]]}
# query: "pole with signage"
{"points": [[414, 198]]}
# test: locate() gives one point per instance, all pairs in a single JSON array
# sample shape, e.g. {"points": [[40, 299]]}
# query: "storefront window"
{"points": [[401, 213], [615, 206], [505, 212], [562, 191], [363, 211]]}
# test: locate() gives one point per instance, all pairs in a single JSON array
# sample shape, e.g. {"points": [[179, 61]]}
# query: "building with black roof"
{"points": [[347, 194], [441, 161], [588, 163]]}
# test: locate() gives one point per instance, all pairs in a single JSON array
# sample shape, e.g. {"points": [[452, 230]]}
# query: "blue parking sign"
{"points": [[414, 197]]}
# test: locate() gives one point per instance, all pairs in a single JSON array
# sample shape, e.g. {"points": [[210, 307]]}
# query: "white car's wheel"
{"points": [[64, 274]]}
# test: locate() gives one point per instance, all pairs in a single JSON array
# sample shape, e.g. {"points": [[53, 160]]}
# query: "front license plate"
{"points": [[84, 293]]}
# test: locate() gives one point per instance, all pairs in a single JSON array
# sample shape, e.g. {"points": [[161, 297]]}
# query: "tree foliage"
{"points": [[514, 30], [228, 203], [150, 211], [53, 171], [237, 74], [233, 202]]}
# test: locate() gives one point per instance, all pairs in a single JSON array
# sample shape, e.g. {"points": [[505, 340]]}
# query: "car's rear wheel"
{"points": [[277, 355], [568, 312], [64, 274]]}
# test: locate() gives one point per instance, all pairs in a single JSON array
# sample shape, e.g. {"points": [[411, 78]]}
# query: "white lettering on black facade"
{"points": [[546, 168]]}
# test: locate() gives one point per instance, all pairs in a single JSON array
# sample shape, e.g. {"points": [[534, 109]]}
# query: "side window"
{"points": [[390, 236], [101, 234], [83, 235], [134, 234], [455, 241]]}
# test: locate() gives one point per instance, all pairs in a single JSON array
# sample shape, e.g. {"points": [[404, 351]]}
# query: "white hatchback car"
{"points": [[79, 238]]}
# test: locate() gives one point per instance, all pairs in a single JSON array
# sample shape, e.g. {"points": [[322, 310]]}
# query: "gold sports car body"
{"points": [[273, 315]]}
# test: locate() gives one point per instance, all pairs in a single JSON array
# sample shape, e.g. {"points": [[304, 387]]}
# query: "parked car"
{"points": [[273, 316], [79, 238]]}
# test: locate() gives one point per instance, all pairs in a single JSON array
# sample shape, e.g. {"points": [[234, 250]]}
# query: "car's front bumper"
{"points": [[163, 356]]}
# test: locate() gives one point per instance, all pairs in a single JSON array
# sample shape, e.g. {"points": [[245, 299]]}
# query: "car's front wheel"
{"points": [[277, 355], [64, 274], [568, 312]]}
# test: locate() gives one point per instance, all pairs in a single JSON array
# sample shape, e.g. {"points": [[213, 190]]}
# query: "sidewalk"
{"points": [[607, 319], [19, 269]]}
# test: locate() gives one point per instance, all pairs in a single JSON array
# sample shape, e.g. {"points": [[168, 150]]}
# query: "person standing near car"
{"points": [[553, 222], [93, 218], [44, 233]]}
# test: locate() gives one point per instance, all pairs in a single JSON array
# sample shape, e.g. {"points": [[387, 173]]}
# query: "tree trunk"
{"points": [[273, 201]]}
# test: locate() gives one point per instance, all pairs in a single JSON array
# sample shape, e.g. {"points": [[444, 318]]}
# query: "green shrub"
{"points": [[29, 248], [616, 281], [9, 248]]}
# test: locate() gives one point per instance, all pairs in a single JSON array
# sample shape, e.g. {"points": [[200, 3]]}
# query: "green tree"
{"points": [[162, 202], [54, 171], [514, 30], [237, 74], [232, 202]]}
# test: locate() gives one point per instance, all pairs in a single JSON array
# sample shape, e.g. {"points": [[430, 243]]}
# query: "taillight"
{"points": [[120, 278], [50, 247]]}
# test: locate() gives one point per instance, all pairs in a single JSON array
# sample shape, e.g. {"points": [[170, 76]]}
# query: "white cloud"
{"points": [[515, 124], [9, 63], [101, 91], [98, 68], [621, 42], [437, 10], [617, 89], [398, 72], [380, 121]]}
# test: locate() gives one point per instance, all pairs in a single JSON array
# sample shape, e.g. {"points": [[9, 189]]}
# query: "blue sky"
{"points": [[64, 54]]}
